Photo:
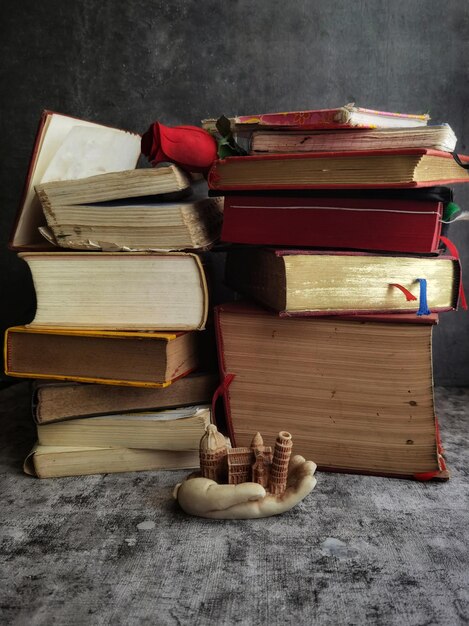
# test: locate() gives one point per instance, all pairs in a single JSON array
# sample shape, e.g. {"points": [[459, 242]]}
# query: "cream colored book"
{"points": [[113, 186], [59, 461], [173, 429], [118, 291], [136, 226], [436, 137], [68, 148]]}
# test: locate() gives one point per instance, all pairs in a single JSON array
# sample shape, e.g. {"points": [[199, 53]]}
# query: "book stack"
{"points": [[116, 333], [335, 221]]}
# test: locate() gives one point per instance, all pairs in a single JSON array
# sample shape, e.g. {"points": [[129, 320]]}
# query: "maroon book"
{"points": [[412, 226]]}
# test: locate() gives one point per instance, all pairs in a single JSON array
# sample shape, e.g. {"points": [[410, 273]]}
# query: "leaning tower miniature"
{"points": [[280, 461], [212, 454]]}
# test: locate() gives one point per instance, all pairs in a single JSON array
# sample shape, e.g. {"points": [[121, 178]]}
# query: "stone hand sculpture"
{"points": [[280, 484], [206, 498]]}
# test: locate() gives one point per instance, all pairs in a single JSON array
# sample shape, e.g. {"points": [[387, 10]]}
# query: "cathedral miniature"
{"points": [[256, 463]]}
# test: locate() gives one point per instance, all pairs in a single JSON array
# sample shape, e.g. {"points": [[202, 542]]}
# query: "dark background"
{"points": [[128, 63]]}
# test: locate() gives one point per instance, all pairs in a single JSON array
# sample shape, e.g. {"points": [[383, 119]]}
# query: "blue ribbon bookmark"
{"points": [[423, 308]]}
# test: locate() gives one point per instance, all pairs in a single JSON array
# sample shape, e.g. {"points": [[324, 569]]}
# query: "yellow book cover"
{"points": [[140, 359]]}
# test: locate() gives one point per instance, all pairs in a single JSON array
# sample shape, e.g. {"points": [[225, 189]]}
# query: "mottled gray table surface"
{"points": [[114, 549]]}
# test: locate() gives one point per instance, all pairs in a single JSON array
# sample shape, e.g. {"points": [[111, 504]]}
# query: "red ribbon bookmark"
{"points": [[454, 252], [408, 295]]}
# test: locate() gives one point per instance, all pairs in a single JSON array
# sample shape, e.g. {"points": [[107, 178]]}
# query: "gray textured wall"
{"points": [[127, 63]]}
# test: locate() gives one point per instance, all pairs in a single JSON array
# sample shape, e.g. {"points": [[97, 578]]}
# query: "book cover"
{"points": [[172, 429], [346, 223], [140, 359], [56, 401], [52, 132], [348, 116], [60, 461]]}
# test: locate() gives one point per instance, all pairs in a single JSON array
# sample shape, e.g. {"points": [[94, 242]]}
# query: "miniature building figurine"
{"points": [[256, 463], [212, 454]]}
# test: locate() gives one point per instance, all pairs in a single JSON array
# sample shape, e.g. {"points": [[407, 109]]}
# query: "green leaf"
{"points": [[450, 211]]}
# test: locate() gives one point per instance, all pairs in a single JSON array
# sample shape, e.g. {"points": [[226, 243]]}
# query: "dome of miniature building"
{"points": [[212, 439], [257, 441]]}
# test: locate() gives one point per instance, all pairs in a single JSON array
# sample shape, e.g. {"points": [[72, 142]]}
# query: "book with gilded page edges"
{"points": [[312, 282]]}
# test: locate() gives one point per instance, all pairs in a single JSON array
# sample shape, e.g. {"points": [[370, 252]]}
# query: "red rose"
{"points": [[192, 148]]}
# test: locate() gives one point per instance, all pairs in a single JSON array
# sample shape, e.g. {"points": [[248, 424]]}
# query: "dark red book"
{"points": [[328, 222], [355, 393]]}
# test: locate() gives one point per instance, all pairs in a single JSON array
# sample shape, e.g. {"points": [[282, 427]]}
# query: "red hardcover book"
{"points": [[313, 282], [356, 394], [349, 223], [348, 116], [365, 169]]}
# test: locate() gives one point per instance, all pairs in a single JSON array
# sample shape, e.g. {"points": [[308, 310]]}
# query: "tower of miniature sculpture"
{"points": [[212, 454], [261, 461], [280, 461]]}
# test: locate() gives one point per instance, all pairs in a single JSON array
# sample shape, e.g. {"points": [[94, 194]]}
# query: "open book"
{"points": [[67, 148]]}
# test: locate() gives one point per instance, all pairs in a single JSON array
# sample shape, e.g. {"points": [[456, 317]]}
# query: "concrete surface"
{"points": [[114, 549]]}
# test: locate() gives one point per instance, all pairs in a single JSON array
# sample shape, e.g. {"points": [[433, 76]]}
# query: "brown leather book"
{"points": [[141, 359], [55, 401]]}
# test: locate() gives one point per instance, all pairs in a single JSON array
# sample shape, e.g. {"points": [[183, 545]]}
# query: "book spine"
{"points": [[224, 375]]}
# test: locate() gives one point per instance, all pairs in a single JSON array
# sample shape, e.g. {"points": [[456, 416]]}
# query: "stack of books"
{"points": [[340, 214], [116, 332]]}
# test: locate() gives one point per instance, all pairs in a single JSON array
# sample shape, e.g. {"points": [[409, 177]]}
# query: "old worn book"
{"points": [[436, 137], [172, 429], [411, 167], [68, 148], [312, 282], [122, 291], [356, 394], [113, 186], [348, 116], [141, 359], [59, 461], [56, 401], [135, 225]]}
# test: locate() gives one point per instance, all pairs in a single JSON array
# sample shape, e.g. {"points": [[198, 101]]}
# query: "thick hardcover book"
{"points": [[312, 282], [413, 167], [119, 291], [141, 359], [356, 394], [56, 401], [348, 116], [346, 223], [59, 461], [173, 429], [67, 148]]}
